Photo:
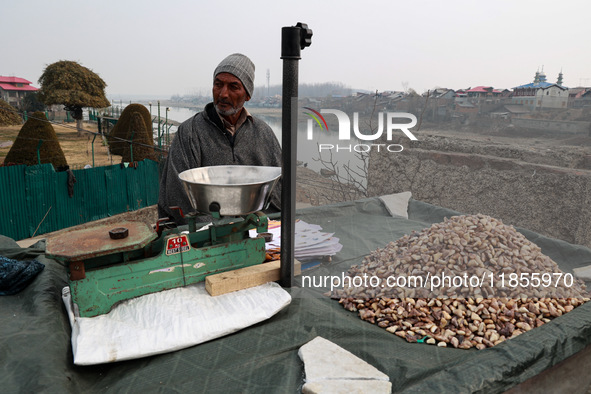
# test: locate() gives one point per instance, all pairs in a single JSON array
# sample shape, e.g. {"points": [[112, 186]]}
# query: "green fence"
{"points": [[36, 200]]}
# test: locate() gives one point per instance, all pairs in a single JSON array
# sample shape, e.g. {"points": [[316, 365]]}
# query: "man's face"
{"points": [[229, 94]]}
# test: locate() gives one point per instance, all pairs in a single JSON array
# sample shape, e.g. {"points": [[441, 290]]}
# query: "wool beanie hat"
{"points": [[241, 67]]}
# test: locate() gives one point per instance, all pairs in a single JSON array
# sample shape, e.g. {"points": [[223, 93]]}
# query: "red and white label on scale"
{"points": [[178, 244]]}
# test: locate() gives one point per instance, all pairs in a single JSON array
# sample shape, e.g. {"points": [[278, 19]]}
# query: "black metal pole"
{"points": [[293, 40]]}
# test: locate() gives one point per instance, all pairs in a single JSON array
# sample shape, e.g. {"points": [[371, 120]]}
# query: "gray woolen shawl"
{"points": [[202, 141]]}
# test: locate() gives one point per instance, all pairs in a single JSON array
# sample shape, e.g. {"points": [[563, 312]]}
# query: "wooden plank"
{"points": [[243, 278]]}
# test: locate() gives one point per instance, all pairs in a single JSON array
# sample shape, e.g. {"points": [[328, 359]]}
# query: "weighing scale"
{"points": [[111, 263]]}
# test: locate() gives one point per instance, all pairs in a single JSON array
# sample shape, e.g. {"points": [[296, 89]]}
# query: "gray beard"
{"points": [[229, 112]]}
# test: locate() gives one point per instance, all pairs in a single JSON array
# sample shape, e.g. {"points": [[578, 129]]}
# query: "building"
{"points": [[14, 89], [584, 101], [541, 94], [443, 93], [480, 99], [579, 97], [481, 95], [478, 96]]}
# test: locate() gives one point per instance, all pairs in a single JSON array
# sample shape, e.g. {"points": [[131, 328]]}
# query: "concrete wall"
{"points": [[553, 125], [550, 200]]}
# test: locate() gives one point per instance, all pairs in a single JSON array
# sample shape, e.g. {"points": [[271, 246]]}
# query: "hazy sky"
{"points": [[161, 48]]}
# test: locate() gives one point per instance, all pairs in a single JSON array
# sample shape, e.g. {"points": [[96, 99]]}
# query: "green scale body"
{"points": [[104, 271]]}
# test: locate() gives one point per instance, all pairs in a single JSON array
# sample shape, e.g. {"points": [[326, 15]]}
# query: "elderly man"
{"points": [[224, 133]]}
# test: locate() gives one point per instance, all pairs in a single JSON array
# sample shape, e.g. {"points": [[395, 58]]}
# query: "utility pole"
{"points": [[293, 40]]}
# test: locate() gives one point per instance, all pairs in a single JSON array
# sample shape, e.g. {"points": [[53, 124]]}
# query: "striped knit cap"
{"points": [[241, 67]]}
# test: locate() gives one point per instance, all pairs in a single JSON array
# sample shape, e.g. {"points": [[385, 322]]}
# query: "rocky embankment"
{"points": [[542, 184]]}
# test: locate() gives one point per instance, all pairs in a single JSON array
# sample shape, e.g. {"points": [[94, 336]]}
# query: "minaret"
{"points": [[537, 77], [559, 80], [542, 75]]}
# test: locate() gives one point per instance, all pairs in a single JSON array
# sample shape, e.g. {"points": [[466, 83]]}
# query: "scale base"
{"points": [[102, 288]]}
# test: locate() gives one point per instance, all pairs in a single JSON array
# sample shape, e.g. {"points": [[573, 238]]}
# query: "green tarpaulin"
{"points": [[35, 333]]}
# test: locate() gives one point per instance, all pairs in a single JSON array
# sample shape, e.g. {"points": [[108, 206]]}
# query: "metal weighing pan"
{"points": [[234, 190]]}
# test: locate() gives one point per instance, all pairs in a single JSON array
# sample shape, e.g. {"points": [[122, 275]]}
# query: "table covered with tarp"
{"points": [[35, 332]]}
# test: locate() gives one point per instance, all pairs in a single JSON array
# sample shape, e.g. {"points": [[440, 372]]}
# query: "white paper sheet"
{"points": [[310, 241]]}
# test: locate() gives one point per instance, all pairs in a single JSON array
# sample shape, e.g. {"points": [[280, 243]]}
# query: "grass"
{"points": [[78, 150]]}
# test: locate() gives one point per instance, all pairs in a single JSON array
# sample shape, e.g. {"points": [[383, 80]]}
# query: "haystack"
{"points": [[24, 149], [8, 115], [118, 137], [143, 142]]}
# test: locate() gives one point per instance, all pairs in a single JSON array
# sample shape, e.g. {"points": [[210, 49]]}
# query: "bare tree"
{"points": [[349, 182], [423, 111]]}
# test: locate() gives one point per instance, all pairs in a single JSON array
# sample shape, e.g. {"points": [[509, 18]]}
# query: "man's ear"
{"points": [[247, 97]]}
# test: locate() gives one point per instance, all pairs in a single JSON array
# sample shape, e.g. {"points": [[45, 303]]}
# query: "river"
{"points": [[307, 150]]}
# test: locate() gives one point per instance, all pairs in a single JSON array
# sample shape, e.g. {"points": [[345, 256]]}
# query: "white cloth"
{"points": [[168, 320]]}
